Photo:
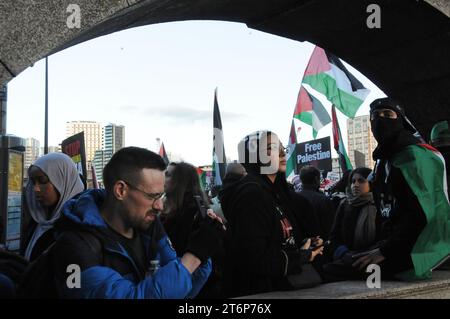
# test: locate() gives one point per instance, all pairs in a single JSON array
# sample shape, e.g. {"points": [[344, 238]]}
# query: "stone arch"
{"points": [[407, 57]]}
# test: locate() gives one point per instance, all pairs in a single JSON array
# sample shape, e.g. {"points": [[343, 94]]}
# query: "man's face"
{"points": [[140, 207]]}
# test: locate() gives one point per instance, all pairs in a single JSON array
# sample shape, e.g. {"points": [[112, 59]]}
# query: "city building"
{"points": [[113, 137], [101, 158], [52, 149], [32, 152], [113, 140], [93, 132], [360, 139]]}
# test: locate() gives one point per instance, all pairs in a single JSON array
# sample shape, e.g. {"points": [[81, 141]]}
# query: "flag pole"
{"points": [[46, 108]]}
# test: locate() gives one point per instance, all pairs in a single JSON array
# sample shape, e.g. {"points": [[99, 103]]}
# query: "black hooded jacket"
{"points": [[255, 260], [400, 214]]}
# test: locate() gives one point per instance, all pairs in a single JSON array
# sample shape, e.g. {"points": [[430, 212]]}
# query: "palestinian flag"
{"points": [[309, 110], [327, 74], [219, 159], [344, 161], [202, 176], [163, 154], [290, 162], [423, 168]]}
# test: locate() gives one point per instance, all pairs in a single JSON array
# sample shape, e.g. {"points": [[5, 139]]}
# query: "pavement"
{"points": [[436, 288]]}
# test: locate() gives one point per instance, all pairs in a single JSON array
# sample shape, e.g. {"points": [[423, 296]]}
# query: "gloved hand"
{"points": [[206, 239]]}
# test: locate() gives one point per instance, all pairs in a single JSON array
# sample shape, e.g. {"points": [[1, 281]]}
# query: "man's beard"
{"points": [[142, 224]]}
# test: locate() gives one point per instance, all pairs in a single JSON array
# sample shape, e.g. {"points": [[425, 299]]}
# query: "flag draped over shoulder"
{"points": [[290, 163], [309, 110], [163, 154], [423, 168], [326, 74], [344, 161], [219, 159]]}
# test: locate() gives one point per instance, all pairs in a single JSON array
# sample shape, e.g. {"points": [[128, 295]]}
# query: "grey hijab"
{"points": [[365, 230], [63, 174]]}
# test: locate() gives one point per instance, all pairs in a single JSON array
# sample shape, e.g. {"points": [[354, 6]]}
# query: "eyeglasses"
{"points": [[284, 150], [280, 148], [150, 196]]}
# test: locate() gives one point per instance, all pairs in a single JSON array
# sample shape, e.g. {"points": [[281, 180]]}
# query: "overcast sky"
{"points": [[159, 81]]}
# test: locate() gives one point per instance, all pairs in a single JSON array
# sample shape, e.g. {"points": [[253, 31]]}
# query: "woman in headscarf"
{"points": [[354, 229], [263, 245], [53, 179]]}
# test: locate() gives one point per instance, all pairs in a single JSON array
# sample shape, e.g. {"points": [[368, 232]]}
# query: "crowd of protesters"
{"points": [[152, 232]]}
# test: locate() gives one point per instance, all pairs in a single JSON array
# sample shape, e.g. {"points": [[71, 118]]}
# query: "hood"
{"points": [[85, 209], [229, 186]]}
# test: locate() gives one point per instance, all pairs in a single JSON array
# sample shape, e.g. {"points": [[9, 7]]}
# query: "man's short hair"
{"points": [[309, 175], [128, 163]]}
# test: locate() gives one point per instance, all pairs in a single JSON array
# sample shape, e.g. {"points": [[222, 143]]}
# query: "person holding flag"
{"points": [[413, 210]]}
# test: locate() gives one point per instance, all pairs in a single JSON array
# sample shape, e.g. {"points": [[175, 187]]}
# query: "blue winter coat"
{"points": [[107, 270]]}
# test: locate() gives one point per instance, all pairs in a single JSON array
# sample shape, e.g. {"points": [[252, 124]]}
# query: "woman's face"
{"points": [[46, 193], [276, 160], [282, 155], [359, 185]]}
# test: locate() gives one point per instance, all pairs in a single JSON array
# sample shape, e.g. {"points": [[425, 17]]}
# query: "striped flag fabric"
{"points": [[309, 110], [202, 177], [163, 154], [426, 176], [344, 161], [327, 74], [290, 162], [219, 159]]}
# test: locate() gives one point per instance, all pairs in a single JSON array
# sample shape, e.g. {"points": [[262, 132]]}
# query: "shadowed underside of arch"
{"points": [[407, 57]]}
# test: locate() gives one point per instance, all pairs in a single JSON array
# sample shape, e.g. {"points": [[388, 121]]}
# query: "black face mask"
{"points": [[385, 129]]}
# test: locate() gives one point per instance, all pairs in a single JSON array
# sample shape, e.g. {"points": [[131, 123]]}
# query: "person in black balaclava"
{"points": [[413, 211], [398, 210]]}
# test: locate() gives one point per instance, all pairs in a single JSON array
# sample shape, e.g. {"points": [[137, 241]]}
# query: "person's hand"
{"points": [[316, 241], [307, 244], [362, 262], [315, 252], [204, 241], [213, 215]]}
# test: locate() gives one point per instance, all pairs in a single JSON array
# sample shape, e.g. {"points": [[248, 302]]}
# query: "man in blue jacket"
{"points": [[112, 236]]}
